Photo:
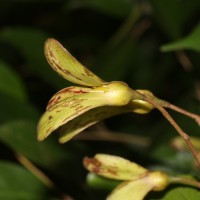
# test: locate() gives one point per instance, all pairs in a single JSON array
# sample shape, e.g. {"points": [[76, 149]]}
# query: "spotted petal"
{"points": [[61, 112], [138, 180], [113, 167], [66, 93], [87, 119], [67, 66]]}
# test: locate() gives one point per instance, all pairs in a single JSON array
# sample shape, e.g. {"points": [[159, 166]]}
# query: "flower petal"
{"points": [[113, 167], [131, 190], [66, 93], [138, 188], [87, 119], [64, 111], [67, 66]]}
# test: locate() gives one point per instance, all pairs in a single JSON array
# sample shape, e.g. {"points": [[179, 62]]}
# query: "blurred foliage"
{"points": [[117, 40], [189, 42]]}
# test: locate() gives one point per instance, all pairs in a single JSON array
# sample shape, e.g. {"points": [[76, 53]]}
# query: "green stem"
{"points": [[34, 170], [185, 181], [40, 175]]}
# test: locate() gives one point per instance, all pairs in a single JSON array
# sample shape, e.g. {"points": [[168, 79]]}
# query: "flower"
{"points": [[75, 108], [137, 181]]}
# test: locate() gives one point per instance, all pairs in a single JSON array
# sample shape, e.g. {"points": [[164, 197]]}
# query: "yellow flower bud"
{"points": [[159, 179], [117, 93], [141, 106]]}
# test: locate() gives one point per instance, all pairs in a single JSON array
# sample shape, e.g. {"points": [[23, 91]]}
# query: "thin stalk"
{"points": [[173, 123], [34, 170], [41, 176], [184, 60], [185, 181], [182, 111]]}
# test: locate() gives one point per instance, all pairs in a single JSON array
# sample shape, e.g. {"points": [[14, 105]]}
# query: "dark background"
{"points": [[117, 40]]}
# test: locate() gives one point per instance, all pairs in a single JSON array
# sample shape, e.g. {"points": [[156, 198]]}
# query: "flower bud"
{"points": [[159, 179], [117, 93]]}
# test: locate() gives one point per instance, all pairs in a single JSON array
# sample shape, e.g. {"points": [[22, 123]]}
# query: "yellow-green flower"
{"points": [[75, 108], [137, 181]]}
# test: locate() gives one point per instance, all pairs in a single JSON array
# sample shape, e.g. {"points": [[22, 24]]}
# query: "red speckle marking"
{"points": [[72, 90], [53, 101], [92, 164], [50, 117]]}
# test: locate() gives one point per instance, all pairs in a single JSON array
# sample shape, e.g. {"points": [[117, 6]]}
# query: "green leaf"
{"points": [[22, 138], [181, 160], [184, 193], [172, 15], [16, 183], [116, 8], [10, 83], [116, 63], [191, 42], [67, 66], [12, 108], [95, 181], [113, 167], [169, 16]]}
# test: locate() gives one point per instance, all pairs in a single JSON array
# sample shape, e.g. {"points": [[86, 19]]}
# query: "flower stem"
{"points": [[180, 110], [173, 123], [32, 168], [41, 176], [185, 181]]}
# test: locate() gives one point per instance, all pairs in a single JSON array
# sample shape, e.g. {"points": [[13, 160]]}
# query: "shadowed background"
{"points": [[150, 45]]}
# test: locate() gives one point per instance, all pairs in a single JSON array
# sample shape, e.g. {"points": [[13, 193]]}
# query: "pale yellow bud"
{"points": [[141, 106], [159, 179], [117, 93]]}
